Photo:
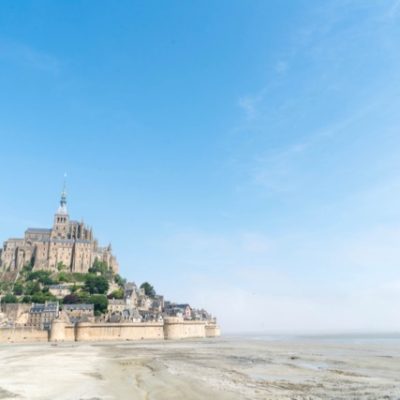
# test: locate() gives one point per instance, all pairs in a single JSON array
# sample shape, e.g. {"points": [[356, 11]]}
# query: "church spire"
{"points": [[63, 200]]}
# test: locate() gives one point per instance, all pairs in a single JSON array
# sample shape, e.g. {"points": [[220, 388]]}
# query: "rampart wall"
{"points": [[13, 311], [19, 335], [212, 330], [69, 333], [176, 328], [98, 332], [170, 329]]}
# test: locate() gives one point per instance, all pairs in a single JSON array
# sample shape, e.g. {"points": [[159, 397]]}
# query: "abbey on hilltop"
{"points": [[68, 243]]}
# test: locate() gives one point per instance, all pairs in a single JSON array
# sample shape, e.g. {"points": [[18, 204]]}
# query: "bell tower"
{"points": [[61, 218]]}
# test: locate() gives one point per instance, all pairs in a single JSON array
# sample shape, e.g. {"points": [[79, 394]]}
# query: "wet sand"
{"points": [[226, 368]]}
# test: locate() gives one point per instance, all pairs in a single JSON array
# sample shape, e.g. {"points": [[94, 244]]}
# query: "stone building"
{"points": [[68, 243], [157, 303], [79, 312], [131, 294], [60, 290], [178, 310], [115, 305], [42, 315]]}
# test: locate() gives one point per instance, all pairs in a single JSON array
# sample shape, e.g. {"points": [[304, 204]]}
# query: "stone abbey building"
{"points": [[68, 242]]}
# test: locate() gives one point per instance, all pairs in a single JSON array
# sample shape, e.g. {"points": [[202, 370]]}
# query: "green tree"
{"points": [[41, 276], [71, 299], [99, 266], [26, 299], [9, 298], [42, 297], [61, 266], [119, 280], [78, 277], [96, 284], [116, 294], [83, 296], [27, 268], [32, 287], [18, 288], [100, 303], [5, 287], [63, 277], [74, 288], [148, 289]]}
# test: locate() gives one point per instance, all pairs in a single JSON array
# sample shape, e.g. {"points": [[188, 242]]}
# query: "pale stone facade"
{"points": [[42, 315], [68, 242], [79, 312], [60, 291]]}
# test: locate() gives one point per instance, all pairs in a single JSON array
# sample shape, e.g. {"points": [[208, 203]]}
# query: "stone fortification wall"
{"points": [[18, 335], [176, 328], [212, 330], [61, 331], [85, 331], [69, 333], [13, 311]]}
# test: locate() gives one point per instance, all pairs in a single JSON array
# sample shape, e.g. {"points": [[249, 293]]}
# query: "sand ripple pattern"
{"points": [[226, 369]]}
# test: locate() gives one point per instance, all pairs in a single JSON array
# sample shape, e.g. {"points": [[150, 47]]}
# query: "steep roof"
{"points": [[71, 307], [38, 230]]}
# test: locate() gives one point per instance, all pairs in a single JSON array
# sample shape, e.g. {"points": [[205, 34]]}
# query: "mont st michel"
{"points": [[58, 284], [230, 225], [69, 245], [95, 335]]}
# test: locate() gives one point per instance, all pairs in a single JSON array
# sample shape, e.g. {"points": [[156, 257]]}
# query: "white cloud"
{"points": [[324, 48]]}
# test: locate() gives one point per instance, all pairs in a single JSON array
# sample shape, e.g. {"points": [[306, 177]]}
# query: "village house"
{"points": [[60, 291], [131, 294], [144, 303], [42, 315], [115, 305], [149, 316], [178, 310], [157, 304], [201, 315], [79, 312], [127, 315]]}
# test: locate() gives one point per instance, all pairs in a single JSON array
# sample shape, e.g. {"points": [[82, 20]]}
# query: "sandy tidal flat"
{"points": [[227, 368]]}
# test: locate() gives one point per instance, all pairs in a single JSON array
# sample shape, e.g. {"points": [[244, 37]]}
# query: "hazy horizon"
{"points": [[240, 156]]}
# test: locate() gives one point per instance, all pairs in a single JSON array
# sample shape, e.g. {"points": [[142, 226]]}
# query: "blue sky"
{"points": [[240, 155]]}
